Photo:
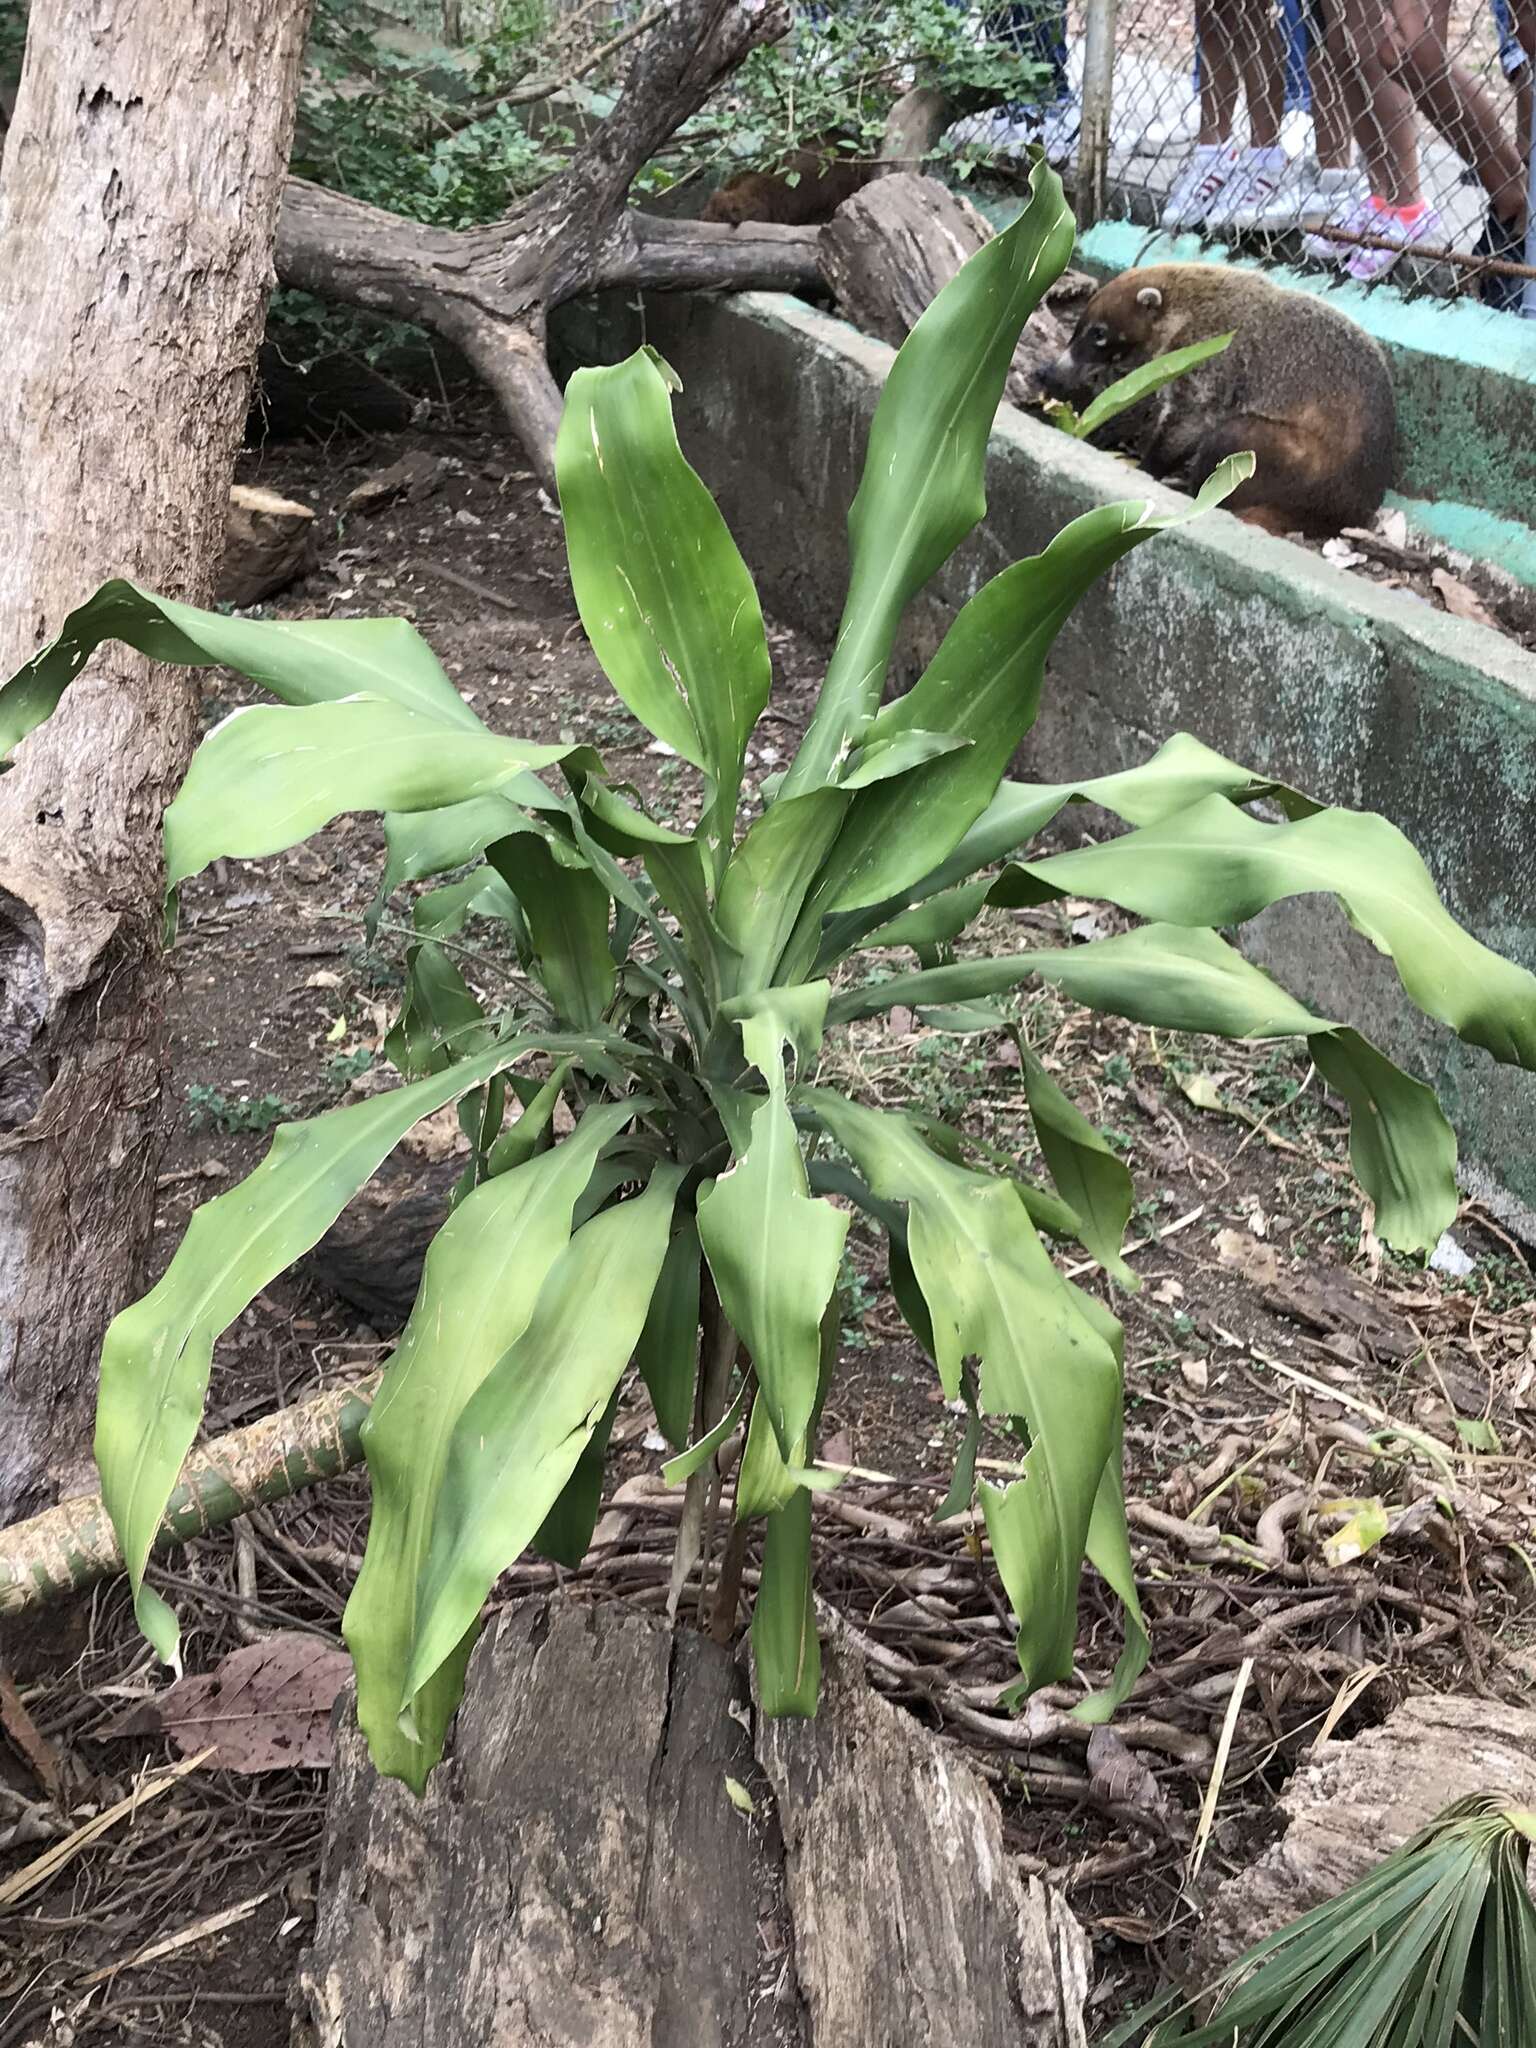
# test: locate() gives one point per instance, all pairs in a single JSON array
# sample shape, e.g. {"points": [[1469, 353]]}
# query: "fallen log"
{"points": [[1354, 1801], [619, 1851], [73, 1545], [489, 290]]}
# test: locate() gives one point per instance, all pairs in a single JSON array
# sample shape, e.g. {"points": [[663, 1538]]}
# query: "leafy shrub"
{"points": [[680, 984]]}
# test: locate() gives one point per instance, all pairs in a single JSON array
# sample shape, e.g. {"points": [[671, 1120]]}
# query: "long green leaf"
{"points": [[483, 1273], [566, 909], [1216, 865], [923, 486], [668, 1352], [993, 1294], [773, 1248], [1184, 979], [565, 1534], [269, 776], [440, 1020], [923, 489], [1181, 772], [301, 661], [785, 1651], [156, 1355], [984, 684], [1090, 1177], [1109, 1540], [517, 1441], [1141, 382], [423, 843], [663, 593]]}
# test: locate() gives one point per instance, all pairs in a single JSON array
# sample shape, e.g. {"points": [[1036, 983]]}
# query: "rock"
{"points": [[416, 475], [371, 1257], [268, 541], [1356, 1801]]}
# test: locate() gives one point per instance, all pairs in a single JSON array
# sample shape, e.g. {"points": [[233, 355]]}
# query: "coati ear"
{"points": [[1149, 296]]}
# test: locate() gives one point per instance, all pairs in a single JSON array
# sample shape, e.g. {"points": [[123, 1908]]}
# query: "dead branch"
{"points": [[489, 290], [74, 1545]]}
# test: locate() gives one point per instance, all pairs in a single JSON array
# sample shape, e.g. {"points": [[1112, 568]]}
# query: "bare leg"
{"points": [[1220, 80], [1457, 104], [1329, 74], [1382, 105], [1256, 32]]}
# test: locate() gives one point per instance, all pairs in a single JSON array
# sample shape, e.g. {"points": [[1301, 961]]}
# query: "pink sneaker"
{"points": [[1369, 266]]}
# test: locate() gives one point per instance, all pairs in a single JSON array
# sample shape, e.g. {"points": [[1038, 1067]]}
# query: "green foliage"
{"points": [[13, 41], [1435, 1948], [208, 1107], [387, 124], [838, 75], [675, 988], [1136, 385]]}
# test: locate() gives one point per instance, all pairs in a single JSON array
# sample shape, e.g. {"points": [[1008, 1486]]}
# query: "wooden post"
{"points": [[1098, 92]]}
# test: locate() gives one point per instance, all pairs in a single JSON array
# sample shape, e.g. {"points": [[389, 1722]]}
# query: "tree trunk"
{"points": [[489, 290], [141, 179], [584, 1872], [894, 246]]}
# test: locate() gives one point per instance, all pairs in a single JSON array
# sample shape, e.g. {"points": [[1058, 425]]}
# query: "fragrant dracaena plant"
{"points": [[680, 987]]}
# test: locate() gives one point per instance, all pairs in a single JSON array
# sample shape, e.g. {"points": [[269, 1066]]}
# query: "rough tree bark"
{"points": [[894, 246], [139, 191], [590, 1879], [489, 290]]}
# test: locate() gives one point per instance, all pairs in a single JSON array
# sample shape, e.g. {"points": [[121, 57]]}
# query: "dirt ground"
{"points": [[1286, 1377]]}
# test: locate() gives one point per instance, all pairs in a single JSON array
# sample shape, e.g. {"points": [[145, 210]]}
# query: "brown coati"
{"points": [[1302, 386], [822, 180]]}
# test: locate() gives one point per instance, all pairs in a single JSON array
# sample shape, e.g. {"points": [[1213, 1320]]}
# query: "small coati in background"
{"points": [[1302, 386], [822, 180]]}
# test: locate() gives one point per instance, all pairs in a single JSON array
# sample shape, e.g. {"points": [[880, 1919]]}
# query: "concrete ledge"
{"points": [[1358, 695]]}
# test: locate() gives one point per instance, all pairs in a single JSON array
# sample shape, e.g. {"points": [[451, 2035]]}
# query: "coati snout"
{"points": [[1300, 385], [1100, 352]]}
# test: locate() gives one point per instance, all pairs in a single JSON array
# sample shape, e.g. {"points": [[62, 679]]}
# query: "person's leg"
{"points": [[1328, 68], [1458, 106], [1221, 81], [1256, 39], [1392, 213], [1383, 109]]}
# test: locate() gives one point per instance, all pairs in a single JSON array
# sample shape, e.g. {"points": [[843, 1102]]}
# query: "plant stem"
{"points": [[717, 1354]]}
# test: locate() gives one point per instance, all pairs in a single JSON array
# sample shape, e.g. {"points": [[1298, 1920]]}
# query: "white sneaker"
{"points": [[1251, 188], [1310, 197], [1198, 186], [1353, 218]]}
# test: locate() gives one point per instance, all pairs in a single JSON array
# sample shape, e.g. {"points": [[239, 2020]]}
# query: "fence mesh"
{"points": [[1380, 137]]}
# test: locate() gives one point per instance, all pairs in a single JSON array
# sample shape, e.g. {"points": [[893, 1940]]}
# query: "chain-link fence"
{"points": [[1377, 137]]}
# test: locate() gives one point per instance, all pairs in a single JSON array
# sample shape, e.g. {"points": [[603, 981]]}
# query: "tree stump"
{"points": [[1356, 1801], [267, 543], [892, 248], [582, 1869]]}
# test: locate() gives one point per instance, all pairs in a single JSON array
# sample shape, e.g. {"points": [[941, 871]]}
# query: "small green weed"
{"points": [[207, 1107]]}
